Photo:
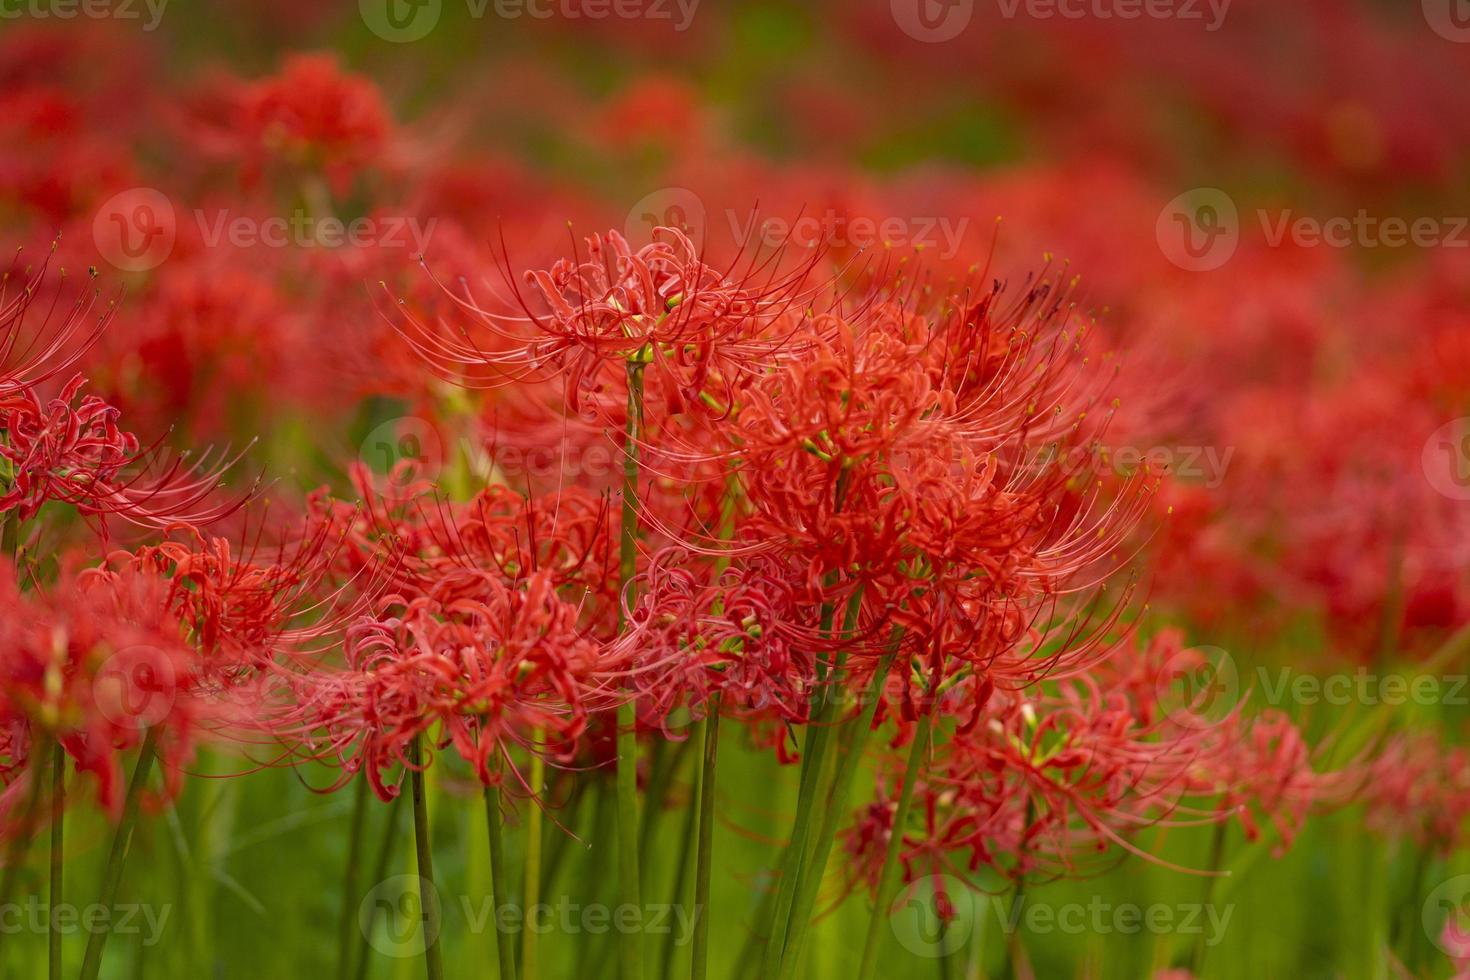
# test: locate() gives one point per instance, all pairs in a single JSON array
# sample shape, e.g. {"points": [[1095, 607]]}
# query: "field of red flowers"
{"points": [[757, 490]]}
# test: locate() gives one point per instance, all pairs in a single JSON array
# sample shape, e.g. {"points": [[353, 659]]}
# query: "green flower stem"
{"points": [[424, 852], [799, 851], [710, 732], [386, 850], [347, 921], [834, 810], [112, 872], [687, 837], [630, 942], [58, 831], [530, 958], [887, 878], [499, 893], [15, 851], [1217, 857], [813, 762]]}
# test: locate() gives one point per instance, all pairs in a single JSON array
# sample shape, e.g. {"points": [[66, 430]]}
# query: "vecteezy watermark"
{"points": [[936, 915], [1446, 459], [404, 451], [667, 207], [1201, 229], [1362, 687], [1446, 917], [1363, 230], [135, 230], [944, 20], [410, 449], [1198, 687], [148, 11], [932, 20], [136, 687], [1203, 465], [681, 208], [401, 21], [1450, 19], [35, 915], [303, 230], [840, 230], [1211, 13], [546, 462], [401, 916]]}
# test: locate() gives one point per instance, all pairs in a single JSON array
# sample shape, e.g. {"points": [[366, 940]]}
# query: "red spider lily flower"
{"points": [[1418, 787], [1078, 767], [70, 449], [95, 663], [743, 635], [882, 444], [190, 352], [312, 115], [268, 602], [487, 670], [917, 463], [660, 305], [42, 336], [424, 546], [656, 110], [1268, 769]]}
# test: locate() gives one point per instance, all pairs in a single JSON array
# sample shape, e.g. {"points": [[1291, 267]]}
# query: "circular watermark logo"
{"points": [[1198, 687], [135, 230], [136, 687], [933, 21], [400, 917], [400, 21], [667, 207], [1446, 917], [1446, 459], [1450, 19], [404, 450], [933, 916], [1199, 230]]}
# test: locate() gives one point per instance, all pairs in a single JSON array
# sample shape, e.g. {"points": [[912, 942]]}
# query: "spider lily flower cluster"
{"points": [[831, 519]]}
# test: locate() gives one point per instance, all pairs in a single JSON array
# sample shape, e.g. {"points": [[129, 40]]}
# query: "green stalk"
{"points": [[15, 851], [711, 732], [349, 879], [813, 766], [1217, 857], [630, 942], [58, 829], [668, 759], [683, 887], [592, 955], [10, 539], [1012, 950], [428, 899], [380, 872], [1402, 935], [813, 762], [559, 846], [504, 949], [530, 959], [847, 766], [58, 842], [887, 878], [117, 856]]}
